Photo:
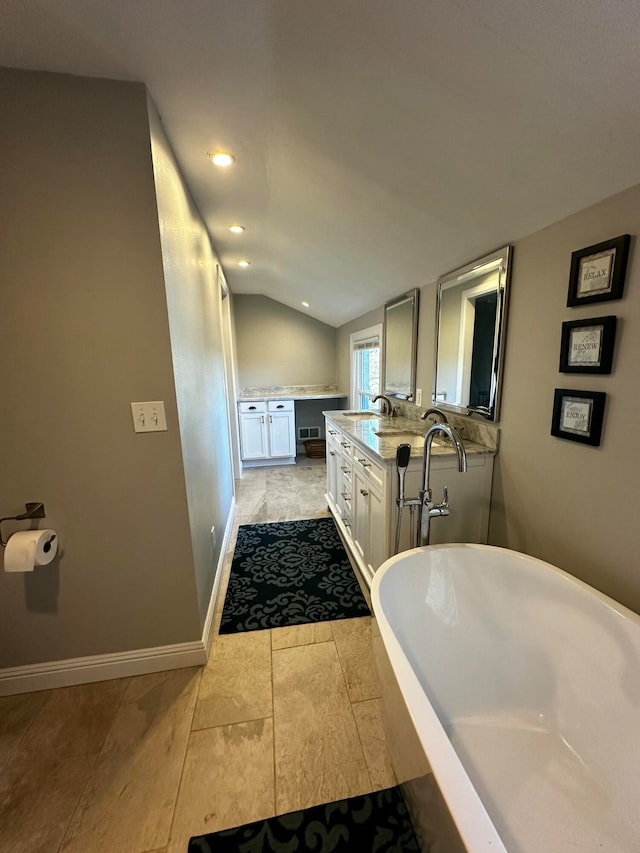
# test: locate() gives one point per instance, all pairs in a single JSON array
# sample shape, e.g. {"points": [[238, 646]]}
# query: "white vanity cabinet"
{"points": [[369, 511], [362, 489], [267, 432]]}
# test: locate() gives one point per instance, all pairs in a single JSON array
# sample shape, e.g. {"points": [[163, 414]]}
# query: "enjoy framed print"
{"points": [[578, 415], [597, 272], [587, 345]]}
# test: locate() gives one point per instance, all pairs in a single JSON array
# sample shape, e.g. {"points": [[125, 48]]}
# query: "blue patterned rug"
{"points": [[373, 823], [290, 573]]}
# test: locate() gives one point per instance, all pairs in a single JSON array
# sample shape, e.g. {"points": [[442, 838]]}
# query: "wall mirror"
{"points": [[472, 305], [401, 346]]}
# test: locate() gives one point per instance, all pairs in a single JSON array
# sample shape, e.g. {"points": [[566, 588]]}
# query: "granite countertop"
{"points": [[255, 398], [408, 431], [253, 394]]}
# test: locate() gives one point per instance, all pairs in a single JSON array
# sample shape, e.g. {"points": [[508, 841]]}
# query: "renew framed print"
{"points": [[587, 345], [578, 415], [597, 272]]}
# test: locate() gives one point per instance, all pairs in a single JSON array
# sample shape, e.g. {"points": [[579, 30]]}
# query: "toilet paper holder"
{"points": [[35, 509]]}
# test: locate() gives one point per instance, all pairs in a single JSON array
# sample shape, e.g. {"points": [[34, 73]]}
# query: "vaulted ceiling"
{"points": [[378, 143]]}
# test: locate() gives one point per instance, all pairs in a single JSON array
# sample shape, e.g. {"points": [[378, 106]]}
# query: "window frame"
{"points": [[359, 337]]}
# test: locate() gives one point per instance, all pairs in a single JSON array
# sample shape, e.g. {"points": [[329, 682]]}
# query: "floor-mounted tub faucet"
{"points": [[428, 508]]}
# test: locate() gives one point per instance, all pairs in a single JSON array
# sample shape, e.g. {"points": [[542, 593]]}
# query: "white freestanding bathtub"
{"points": [[523, 687]]}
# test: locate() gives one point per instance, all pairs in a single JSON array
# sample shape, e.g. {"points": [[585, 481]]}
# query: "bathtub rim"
{"points": [[467, 810]]}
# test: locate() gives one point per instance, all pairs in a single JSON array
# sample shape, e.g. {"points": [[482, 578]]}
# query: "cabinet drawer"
{"points": [[259, 406], [374, 471], [280, 405], [346, 445]]}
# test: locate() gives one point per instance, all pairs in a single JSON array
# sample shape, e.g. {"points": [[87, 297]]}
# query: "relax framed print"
{"points": [[597, 272]]}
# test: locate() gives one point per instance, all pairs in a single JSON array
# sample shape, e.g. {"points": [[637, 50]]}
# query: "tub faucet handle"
{"points": [[441, 509]]}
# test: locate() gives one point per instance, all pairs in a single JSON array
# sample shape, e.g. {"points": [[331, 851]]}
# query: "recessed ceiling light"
{"points": [[243, 263], [306, 304], [221, 158], [236, 229]]}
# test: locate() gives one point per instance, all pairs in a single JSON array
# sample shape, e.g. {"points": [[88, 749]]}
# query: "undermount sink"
{"points": [[404, 437], [399, 432], [360, 415]]}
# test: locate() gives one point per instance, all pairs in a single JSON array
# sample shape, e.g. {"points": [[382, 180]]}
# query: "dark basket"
{"points": [[315, 448]]}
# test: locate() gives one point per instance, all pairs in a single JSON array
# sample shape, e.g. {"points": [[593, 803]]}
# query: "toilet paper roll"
{"points": [[30, 548]]}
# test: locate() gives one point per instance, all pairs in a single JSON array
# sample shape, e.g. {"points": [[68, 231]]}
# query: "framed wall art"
{"points": [[597, 272], [587, 345], [578, 415]]}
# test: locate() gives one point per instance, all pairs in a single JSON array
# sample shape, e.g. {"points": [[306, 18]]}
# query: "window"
{"points": [[365, 367]]}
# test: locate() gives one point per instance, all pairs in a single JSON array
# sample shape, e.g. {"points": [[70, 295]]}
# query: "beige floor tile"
{"points": [[236, 683], [17, 714], [128, 803], [38, 796], [301, 635], [250, 502], [353, 639], [75, 720], [317, 749], [254, 517], [370, 724], [227, 781]]}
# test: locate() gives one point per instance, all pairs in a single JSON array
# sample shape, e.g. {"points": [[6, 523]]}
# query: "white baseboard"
{"points": [[66, 673], [215, 592], [72, 671]]}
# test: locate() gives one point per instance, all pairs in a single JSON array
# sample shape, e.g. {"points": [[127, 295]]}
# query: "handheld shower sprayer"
{"points": [[403, 453]]}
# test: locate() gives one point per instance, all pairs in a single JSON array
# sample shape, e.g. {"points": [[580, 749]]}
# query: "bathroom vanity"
{"points": [[274, 421], [362, 485], [267, 432]]}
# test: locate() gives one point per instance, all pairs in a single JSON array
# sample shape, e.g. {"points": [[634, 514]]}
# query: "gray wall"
{"points": [[83, 332], [574, 506], [277, 345], [194, 305], [343, 344]]}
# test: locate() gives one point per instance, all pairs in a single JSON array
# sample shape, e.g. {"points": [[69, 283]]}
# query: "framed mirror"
{"points": [[472, 304], [401, 346]]}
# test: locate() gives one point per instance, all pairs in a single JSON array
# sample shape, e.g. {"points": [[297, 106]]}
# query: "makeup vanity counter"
{"points": [[362, 484]]}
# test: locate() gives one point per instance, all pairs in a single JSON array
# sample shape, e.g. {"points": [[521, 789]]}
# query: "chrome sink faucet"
{"points": [[437, 412], [428, 508], [388, 407]]}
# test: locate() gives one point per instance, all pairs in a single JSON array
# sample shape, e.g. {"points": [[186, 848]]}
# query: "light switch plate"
{"points": [[418, 396], [149, 417]]}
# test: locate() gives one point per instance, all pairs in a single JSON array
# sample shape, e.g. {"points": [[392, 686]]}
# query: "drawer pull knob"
{"points": [[364, 493], [364, 463], [332, 432], [346, 496], [332, 453]]}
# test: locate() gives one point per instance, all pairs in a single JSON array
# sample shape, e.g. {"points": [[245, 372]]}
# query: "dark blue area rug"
{"points": [[373, 823], [290, 573]]}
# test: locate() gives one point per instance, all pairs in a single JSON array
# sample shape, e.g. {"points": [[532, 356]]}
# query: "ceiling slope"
{"points": [[378, 144]]}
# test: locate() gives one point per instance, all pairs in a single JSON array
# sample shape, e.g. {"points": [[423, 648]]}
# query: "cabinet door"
{"points": [[281, 434], [360, 513], [253, 436], [333, 462], [377, 546]]}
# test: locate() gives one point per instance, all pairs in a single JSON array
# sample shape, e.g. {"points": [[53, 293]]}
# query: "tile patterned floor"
{"points": [[277, 720]]}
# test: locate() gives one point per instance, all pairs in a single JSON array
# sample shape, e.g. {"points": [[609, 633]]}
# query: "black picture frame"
{"points": [[578, 415], [587, 345], [598, 272]]}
